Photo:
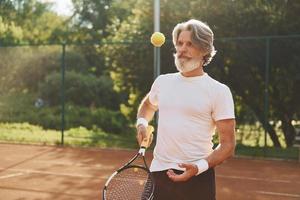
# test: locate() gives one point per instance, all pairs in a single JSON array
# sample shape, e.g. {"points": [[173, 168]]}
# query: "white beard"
{"points": [[184, 65]]}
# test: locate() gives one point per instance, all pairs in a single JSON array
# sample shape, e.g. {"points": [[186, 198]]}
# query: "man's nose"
{"points": [[182, 48]]}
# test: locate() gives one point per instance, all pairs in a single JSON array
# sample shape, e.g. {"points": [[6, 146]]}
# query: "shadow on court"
{"points": [[29, 172]]}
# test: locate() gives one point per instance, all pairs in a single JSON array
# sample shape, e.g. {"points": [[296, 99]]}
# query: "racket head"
{"points": [[132, 182]]}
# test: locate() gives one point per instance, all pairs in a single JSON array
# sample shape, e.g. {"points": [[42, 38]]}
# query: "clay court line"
{"points": [[278, 194], [255, 179], [11, 175]]}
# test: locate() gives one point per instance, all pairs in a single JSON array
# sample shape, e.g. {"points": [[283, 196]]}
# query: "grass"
{"points": [[290, 153], [26, 133], [30, 134], [254, 135]]}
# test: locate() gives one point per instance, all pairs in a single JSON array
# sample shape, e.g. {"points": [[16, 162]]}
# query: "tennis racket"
{"points": [[132, 181]]}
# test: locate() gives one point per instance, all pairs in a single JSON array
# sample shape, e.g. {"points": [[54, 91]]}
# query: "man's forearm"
{"points": [[225, 150], [146, 109], [221, 153], [144, 115]]}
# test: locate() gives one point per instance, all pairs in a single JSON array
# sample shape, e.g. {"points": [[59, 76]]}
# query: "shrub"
{"points": [[80, 89], [20, 108]]}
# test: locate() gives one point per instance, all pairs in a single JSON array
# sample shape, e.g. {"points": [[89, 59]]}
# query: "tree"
{"points": [[239, 63], [30, 22], [265, 18], [85, 90]]}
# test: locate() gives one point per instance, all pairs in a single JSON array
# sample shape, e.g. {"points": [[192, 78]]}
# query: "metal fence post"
{"points": [[63, 92], [266, 91], [156, 29], [156, 51]]}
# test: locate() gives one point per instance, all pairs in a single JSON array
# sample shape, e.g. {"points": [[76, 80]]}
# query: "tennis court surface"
{"points": [[46, 172]]}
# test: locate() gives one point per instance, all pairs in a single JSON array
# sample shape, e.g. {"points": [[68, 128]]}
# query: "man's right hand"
{"points": [[142, 134]]}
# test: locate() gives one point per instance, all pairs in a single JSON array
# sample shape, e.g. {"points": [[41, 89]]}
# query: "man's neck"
{"points": [[196, 72]]}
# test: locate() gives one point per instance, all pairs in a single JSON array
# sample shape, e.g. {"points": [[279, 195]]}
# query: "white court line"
{"points": [[11, 175], [53, 173], [255, 179], [278, 194], [106, 176], [96, 166]]}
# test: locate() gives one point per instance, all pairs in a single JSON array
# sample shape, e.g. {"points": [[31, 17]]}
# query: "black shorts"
{"points": [[201, 187]]}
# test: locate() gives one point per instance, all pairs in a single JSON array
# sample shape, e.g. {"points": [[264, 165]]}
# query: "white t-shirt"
{"points": [[188, 108]]}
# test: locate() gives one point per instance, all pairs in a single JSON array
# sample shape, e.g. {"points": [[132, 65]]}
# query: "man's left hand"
{"points": [[190, 171]]}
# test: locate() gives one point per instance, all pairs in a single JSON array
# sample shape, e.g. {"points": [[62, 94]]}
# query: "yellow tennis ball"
{"points": [[158, 39]]}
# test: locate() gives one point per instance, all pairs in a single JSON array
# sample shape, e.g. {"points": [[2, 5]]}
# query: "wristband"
{"points": [[202, 166], [141, 121]]}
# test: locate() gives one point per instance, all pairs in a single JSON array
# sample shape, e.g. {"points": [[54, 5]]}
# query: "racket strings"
{"points": [[130, 184]]}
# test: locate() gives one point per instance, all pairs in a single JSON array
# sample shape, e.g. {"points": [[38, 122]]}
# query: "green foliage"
{"points": [[10, 32], [37, 70], [107, 120], [31, 22], [129, 60], [239, 63], [79, 136], [94, 16], [290, 153], [31, 67], [80, 89], [20, 108]]}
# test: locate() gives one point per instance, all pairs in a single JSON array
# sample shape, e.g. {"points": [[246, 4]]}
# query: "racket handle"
{"points": [[145, 142]]}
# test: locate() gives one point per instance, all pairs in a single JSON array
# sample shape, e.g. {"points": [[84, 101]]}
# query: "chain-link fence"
{"points": [[87, 94]]}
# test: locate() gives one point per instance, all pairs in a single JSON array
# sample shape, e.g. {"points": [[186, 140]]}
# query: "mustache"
{"points": [[181, 55]]}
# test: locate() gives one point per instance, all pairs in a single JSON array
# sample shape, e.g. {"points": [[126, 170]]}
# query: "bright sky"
{"points": [[62, 7]]}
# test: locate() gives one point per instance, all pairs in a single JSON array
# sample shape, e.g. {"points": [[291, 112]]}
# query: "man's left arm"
{"points": [[225, 150]]}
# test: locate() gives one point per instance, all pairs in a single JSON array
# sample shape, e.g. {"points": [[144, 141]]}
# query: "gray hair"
{"points": [[202, 37]]}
